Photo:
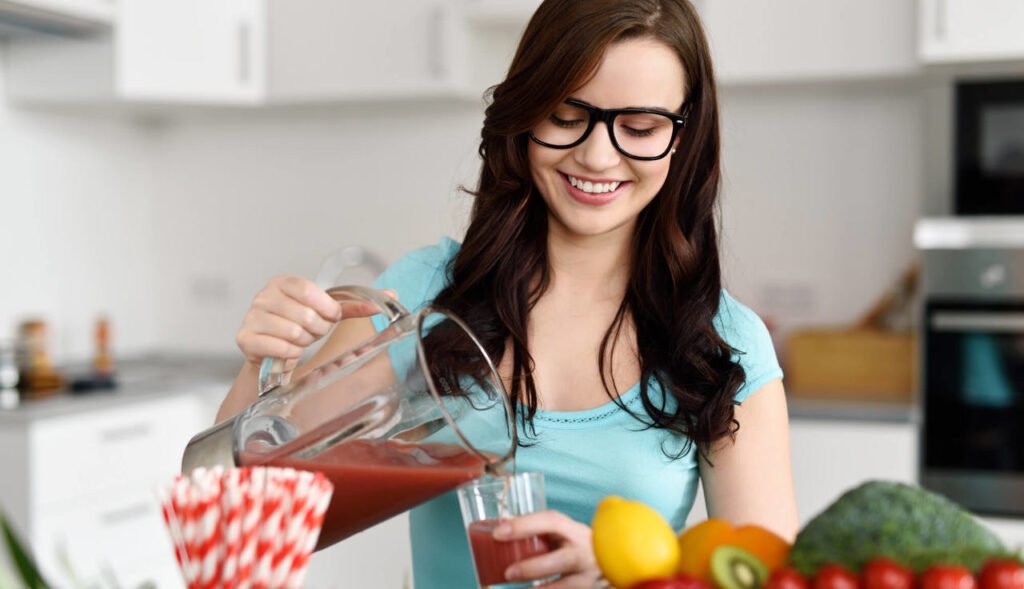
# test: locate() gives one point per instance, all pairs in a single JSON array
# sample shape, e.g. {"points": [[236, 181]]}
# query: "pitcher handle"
{"points": [[272, 374]]}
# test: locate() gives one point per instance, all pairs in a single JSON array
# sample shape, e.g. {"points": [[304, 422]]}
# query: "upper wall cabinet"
{"points": [[809, 40], [244, 52], [54, 16], [781, 41], [971, 30]]}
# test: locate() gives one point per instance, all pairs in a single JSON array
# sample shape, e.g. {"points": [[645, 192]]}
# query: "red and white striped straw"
{"points": [[269, 530], [245, 528], [173, 527], [252, 510], [232, 510], [208, 483], [309, 532]]}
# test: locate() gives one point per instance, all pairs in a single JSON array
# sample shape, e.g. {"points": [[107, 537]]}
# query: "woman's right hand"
{"points": [[288, 315]]}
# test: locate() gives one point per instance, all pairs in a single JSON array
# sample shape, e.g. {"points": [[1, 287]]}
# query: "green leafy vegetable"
{"points": [[22, 560], [913, 526]]}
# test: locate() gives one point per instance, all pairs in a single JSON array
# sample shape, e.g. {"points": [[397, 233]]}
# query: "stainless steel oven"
{"points": [[972, 366]]}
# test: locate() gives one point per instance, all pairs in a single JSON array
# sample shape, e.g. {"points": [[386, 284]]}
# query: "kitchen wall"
{"points": [[822, 186], [172, 222], [244, 196], [77, 195]]}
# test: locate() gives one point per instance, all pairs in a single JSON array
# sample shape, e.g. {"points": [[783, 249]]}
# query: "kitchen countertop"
{"points": [[145, 377], [847, 410], [139, 378]]}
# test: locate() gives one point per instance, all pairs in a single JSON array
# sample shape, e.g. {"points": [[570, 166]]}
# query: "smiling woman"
{"points": [[590, 273], [574, 168]]}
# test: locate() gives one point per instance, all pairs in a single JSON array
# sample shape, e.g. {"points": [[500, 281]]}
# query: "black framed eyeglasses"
{"points": [[637, 133]]}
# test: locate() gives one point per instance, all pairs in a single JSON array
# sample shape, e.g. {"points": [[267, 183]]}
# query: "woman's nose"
{"points": [[597, 152]]}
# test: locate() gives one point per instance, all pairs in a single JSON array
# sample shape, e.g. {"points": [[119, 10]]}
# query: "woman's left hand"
{"points": [[572, 554]]}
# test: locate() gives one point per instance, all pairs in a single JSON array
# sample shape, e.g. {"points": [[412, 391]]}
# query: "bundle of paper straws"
{"points": [[245, 527]]}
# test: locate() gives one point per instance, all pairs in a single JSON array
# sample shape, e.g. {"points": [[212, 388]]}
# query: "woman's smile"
{"points": [[593, 191]]}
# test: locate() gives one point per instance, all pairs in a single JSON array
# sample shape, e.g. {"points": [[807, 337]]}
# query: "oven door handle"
{"points": [[960, 321]]}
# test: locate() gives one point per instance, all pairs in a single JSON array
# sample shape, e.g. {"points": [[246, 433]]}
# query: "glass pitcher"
{"points": [[400, 418]]}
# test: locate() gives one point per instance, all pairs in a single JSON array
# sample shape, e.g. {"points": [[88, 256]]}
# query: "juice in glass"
{"points": [[492, 557], [485, 502]]}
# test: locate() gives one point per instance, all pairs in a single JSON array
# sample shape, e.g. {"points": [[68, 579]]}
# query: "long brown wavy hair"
{"points": [[674, 286]]}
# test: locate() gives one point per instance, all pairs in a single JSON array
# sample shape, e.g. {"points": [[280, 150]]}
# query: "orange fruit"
{"points": [[772, 550], [697, 542]]}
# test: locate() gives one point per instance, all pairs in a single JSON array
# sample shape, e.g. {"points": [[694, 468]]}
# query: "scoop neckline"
{"points": [[584, 416]]}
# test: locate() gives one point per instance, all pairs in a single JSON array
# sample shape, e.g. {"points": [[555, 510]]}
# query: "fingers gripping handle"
{"points": [[272, 374]]}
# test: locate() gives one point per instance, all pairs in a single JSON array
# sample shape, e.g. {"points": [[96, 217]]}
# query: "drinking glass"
{"points": [[485, 502]]}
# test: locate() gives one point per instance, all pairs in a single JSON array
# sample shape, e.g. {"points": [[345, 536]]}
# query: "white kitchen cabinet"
{"points": [[83, 484], [796, 40], [953, 31], [277, 50], [61, 13], [831, 457], [245, 52], [190, 50]]}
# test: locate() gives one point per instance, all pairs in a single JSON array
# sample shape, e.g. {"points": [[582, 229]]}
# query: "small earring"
{"points": [[673, 150]]}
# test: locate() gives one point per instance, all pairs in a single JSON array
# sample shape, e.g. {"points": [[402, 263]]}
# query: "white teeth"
{"points": [[594, 187]]}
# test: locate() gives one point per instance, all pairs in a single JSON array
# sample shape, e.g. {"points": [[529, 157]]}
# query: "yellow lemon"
{"points": [[632, 542]]}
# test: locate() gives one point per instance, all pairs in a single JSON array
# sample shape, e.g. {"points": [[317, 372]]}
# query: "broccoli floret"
{"points": [[905, 523]]}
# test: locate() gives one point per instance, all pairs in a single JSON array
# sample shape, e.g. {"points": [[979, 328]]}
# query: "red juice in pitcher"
{"points": [[492, 557], [375, 480]]}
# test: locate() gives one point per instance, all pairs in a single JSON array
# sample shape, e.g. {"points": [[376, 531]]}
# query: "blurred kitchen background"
{"points": [[160, 160]]}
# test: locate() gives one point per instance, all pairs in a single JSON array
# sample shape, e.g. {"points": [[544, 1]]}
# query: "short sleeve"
{"points": [[417, 277], [748, 336]]}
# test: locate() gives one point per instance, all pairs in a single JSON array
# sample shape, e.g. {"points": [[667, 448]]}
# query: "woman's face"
{"points": [[634, 73]]}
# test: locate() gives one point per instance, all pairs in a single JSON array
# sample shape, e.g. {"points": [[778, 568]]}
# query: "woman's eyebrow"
{"points": [[657, 108]]}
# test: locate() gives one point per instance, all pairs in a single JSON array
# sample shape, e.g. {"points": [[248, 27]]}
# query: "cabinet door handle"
{"points": [[126, 432], [123, 514], [244, 32], [967, 321]]}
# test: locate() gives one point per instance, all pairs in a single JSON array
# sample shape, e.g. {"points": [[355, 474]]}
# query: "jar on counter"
{"points": [[37, 374]]}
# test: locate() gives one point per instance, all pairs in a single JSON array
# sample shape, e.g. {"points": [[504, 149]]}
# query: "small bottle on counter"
{"points": [[101, 375], [103, 362]]}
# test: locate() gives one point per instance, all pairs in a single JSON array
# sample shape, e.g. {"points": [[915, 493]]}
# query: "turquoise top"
{"points": [[584, 455]]}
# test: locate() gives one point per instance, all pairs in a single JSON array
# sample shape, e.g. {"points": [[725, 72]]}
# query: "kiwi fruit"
{"points": [[734, 568]]}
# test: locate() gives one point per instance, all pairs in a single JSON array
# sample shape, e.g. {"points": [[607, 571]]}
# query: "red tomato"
{"points": [[834, 576], [787, 578], [883, 573], [1002, 574], [677, 582], [944, 576]]}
